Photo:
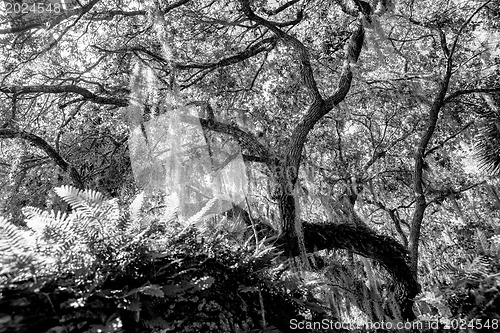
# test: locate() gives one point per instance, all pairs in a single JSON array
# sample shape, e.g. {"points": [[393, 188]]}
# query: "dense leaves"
{"points": [[361, 123]]}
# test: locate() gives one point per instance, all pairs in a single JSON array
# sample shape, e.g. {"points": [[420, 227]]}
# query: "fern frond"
{"points": [[488, 141], [12, 239], [112, 211], [107, 217], [482, 240], [89, 195], [55, 231], [38, 219], [478, 266], [125, 221], [31, 212], [86, 202], [448, 267], [47, 222]]}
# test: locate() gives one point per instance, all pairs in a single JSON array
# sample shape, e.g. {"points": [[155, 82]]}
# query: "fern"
{"points": [[55, 230], [111, 211], [86, 203], [15, 253], [94, 231], [128, 219], [12, 239], [74, 196], [39, 220], [97, 217], [482, 242]]}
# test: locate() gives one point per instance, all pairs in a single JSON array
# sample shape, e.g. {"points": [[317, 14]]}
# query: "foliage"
{"points": [[470, 293], [475, 293], [398, 152], [94, 232], [108, 274]]}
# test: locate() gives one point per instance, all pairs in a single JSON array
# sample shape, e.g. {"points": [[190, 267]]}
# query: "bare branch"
{"points": [[451, 193], [246, 139], [109, 15], [394, 215]]}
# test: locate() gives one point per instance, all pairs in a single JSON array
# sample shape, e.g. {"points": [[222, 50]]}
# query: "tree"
{"points": [[342, 89]]}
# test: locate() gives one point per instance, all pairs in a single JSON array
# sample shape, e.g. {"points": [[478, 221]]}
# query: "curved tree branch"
{"points": [[280, 8], [7, 133], [264, 45], [318, 109], [302, 52], [109, 15], [246, 139], [86, 94], [321, 107], [365, 242], [464, 25], [458, 93]]}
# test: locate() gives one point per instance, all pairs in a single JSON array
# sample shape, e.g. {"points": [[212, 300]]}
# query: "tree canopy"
{"points": [[369, 127]]}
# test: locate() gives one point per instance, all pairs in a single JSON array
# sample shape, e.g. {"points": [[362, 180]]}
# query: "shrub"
{"points": [[98, 269]]}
